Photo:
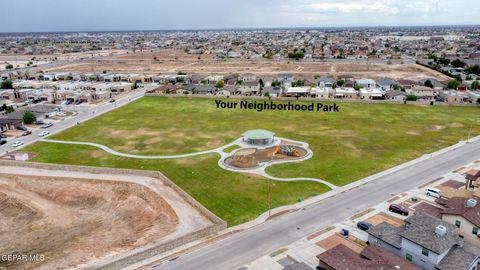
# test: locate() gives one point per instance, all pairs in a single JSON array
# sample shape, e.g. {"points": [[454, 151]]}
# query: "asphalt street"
{"points": [[244, 247], [85, 113]]}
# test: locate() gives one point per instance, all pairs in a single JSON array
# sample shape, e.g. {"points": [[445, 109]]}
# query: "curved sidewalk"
{"points": [[259, 170], [116, 153]]}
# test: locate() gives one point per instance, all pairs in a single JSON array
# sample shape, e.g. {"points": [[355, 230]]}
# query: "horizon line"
{"points": [[242, 29]]}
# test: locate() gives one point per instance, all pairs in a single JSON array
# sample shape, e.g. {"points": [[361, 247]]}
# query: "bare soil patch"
{"points": [[72, 221]]}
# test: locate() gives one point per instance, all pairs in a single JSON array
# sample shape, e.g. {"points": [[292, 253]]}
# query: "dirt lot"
{"points": [[335, 240], [383, 217], [71, 221], [172, 61]]}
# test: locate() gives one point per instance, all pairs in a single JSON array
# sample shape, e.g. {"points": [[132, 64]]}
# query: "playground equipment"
{"points": [[288, 150]]}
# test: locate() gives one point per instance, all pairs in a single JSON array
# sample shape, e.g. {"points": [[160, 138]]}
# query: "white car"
{"points": [[43, 133], [17, 144], [433, 192]]}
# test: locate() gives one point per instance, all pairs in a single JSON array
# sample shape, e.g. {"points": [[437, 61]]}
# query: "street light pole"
{"points": [[469, 132], [269, 200]]}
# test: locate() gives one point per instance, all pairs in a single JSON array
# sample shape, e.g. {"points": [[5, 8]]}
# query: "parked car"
{"points": [[363, 225], [26, 133], [43, 133], [47, 125], [2, 142], [38, 123], [70, 101], [22, 128], [3, 136], [78, 102], [17, 144], [433, 192], [61, 114], [112, 100], [396, 208]]}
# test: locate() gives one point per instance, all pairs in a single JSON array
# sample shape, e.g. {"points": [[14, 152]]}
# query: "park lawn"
{"points": [[360, 140], [234, 197]]}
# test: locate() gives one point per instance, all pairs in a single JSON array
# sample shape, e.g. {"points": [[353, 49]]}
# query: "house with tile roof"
{"points": [[464, 213], [428, 242], [341, 257]]}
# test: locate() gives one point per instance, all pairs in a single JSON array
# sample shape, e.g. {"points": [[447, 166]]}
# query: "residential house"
{"points": [[341, 257], [386, 84], [428, 242], [11, 121], [395, 95], [249, 88], [464, 213], [345, 93], [204, 90], [453, 96], [366, 83], [227, 90], [321, 92], [326, 82], [302, 91], [407, 84], [272, 91], [248, 77], [423, 92], [186, 89], [437, 85], [370, 93]]}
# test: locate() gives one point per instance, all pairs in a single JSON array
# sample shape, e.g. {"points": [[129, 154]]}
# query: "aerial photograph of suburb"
{"points": [[240, 135]]}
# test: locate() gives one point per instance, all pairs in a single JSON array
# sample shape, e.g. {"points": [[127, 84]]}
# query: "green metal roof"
{"points": [[258, 134]]}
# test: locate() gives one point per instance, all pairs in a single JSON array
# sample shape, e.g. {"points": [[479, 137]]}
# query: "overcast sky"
{"points": [[99, 15]]}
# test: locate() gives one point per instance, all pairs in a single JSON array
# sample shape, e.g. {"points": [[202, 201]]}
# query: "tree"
{"points": [[275, 83], [6, 85], [474, 69], [357, 87], [220, 84], [298, 83], [458, 63], [478, 100], [468, 78], [475, 85], [266, 94], [444, 61], [9, 109], [296, 55], [453, 84], [340, 83], [9, 66], [428, 83], [411, 98], [262, 83], [29, 117]]}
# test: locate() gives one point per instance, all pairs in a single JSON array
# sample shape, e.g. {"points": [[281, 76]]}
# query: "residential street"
{"points": [[84, 113], [244, 247]]}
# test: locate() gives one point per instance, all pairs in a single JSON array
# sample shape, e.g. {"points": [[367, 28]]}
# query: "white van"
{"points": [[436, 193]]}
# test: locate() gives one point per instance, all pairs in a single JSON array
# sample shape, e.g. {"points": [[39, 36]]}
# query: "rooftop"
{"points": [[258, 134], [373, 258]]}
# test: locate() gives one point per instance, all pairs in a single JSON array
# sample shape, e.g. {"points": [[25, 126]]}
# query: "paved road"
{"points": [[246, 246], [84, 113]]}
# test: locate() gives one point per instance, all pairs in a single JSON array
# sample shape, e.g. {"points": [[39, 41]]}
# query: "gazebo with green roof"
{"points": [[258, 137]]}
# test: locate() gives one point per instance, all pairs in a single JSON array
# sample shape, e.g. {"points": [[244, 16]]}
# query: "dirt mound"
{"points": [[72, 221]]}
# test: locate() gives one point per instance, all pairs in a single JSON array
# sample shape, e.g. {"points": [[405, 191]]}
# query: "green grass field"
{"points": [[360, 140]]}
